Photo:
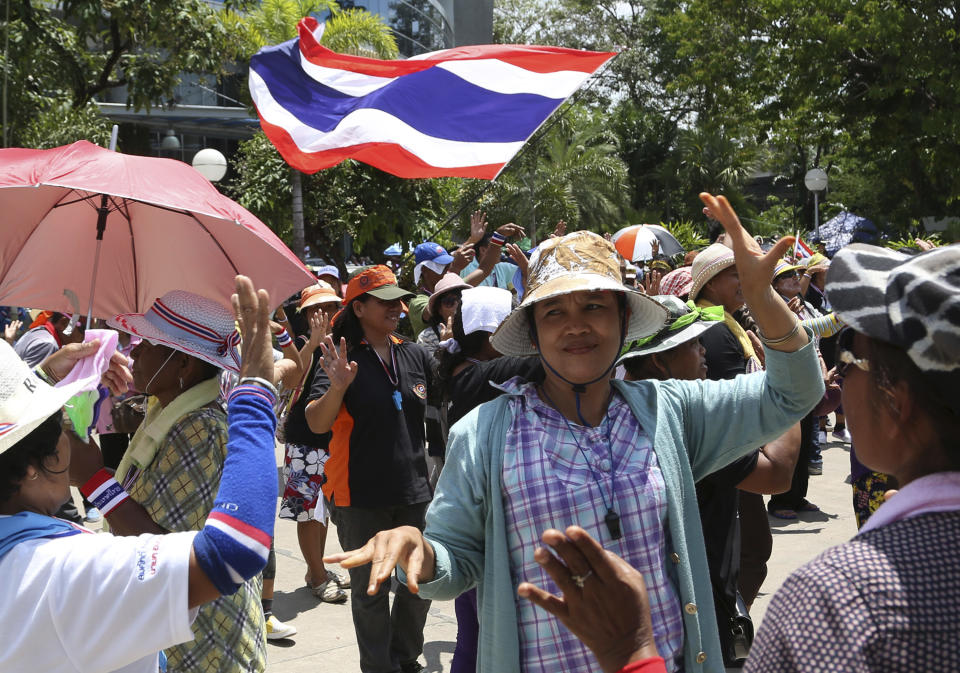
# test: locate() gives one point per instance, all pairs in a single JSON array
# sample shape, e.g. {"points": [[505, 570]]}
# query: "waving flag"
{"points": [[461, 112], [801, 250]]}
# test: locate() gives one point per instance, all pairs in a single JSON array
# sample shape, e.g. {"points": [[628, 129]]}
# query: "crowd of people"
{"points": [[576, 455]]}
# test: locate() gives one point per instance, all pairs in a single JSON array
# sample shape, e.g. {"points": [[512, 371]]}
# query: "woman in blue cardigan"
{"points": [[619, 459]]}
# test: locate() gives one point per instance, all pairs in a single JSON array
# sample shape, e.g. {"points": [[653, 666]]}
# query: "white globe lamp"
{"points": [[211, 164]]}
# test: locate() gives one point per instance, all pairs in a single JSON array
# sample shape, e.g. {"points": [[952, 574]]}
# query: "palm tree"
{"points": [[347, 31]]}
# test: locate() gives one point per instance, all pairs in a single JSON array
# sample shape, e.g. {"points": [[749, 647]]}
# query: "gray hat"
{"points": [[910, 302], [686, 321]]}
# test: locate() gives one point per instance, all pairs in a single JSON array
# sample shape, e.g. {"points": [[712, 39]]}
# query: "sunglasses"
{"points": [[845, 356], [450, 300]]}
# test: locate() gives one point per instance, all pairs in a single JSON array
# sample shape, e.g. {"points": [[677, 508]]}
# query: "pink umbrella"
{"points": [[118, 231]]}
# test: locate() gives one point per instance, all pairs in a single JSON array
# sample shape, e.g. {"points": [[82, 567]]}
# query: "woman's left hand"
{"points": [[252, 310], [117, 377], [607, 609]]}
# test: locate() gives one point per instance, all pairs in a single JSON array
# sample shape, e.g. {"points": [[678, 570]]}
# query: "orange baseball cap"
{"points": [[377, 281]]}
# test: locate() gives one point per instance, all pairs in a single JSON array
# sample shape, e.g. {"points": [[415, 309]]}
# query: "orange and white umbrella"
{"points": [[635, 243]]}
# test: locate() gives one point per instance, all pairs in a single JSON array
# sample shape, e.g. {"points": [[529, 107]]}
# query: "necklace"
{"points": [[612, 519], [392, 377]]}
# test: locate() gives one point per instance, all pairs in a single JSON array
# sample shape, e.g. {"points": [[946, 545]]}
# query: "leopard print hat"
{"points": [[909, 302]]}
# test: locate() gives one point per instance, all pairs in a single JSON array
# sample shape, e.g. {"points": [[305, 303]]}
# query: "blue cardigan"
{"points": [[696, 427]]}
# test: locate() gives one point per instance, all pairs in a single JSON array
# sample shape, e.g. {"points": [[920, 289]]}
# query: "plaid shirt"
{"points": [[547, 484], [178, 489]]}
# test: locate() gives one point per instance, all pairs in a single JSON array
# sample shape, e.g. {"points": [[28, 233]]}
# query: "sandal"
{"points": [[340, 577], [329, 592], [784, 513]]}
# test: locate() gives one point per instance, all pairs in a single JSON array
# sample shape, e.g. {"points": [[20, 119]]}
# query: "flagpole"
{"points": [[540, 132]]}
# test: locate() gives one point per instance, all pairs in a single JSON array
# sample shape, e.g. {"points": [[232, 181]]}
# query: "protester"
{"points": [[331, 276], [650, 440], [370, 392], [39, 342], [173, 466], [139, 592], [442, 305], [306, 454], [501, 275], [887, 600], [432, 262]]}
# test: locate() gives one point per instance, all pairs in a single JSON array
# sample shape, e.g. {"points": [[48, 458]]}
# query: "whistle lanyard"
{"points": [[612, 519], [393, 376]]}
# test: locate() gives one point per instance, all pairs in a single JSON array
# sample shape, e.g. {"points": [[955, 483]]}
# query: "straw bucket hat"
{"points": [[711, 261], [581, 261]]}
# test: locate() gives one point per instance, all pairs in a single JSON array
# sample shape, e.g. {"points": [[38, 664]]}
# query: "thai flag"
{"points": [[461, 112], [801, 250]]}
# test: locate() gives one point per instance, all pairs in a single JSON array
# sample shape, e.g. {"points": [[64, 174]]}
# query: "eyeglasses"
{"points": [[450, 300], [845, 357]]}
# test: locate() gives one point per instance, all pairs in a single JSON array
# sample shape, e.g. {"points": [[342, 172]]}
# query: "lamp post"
{"points": [[210, 163], [816, 181]]}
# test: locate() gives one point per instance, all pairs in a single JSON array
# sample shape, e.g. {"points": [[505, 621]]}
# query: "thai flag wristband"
{"points": [[104, 492], [498, 239], [257, 387], [283, 338]]}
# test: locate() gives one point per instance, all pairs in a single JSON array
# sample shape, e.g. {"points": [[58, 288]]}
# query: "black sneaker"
{"points": [[412, 667]]}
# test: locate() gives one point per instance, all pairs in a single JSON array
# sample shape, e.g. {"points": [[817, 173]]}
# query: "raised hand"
{"points": [[604, 600], [651, 282], [252, 311], [446, 332], [340, 371], [560, 230], [404, 546], [511, 230], [478, 226], [462, 256], [10, 331], [319, 327], [755, 268]]}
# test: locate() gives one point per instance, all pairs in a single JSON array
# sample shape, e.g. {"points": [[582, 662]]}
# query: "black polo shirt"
{"points": [[377, 451]]}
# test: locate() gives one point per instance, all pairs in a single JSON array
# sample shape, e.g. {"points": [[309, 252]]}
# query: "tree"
{"points": [[69, 52], [353, 31]]}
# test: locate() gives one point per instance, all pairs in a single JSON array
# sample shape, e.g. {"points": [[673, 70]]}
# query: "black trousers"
{"points": [[793, 499], [387, 638]]}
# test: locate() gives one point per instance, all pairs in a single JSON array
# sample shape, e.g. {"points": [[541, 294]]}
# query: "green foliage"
{"points": [[61, 124], [690, 236]]}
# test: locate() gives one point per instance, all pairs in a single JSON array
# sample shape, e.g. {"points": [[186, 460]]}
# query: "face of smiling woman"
{"points": [[578, 333]]}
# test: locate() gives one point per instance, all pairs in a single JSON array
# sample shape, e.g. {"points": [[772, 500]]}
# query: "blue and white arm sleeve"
{"points": [[235, 542]]}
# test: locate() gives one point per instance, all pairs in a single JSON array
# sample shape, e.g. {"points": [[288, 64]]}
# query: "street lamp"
{"points": [[816, 182], [170, 141], [211, 164]]}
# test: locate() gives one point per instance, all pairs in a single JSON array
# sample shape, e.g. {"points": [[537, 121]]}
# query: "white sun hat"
{"points": [[576, 262], [25, 400], [188, 323]]}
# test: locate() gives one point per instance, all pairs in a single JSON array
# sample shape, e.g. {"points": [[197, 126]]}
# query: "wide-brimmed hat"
{"points": [[910, 302], [320, 293], [677, 283], [711, 261], [449, 281], [25, 400], [378, 281], [189, 323], [581, 261], [687, 321], [783, 267]]}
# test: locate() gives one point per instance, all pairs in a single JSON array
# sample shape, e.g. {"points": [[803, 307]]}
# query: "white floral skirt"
{"points": [[304, 477]]}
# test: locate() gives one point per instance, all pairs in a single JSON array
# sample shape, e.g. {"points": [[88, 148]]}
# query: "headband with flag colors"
{"points": [[461, 112]]}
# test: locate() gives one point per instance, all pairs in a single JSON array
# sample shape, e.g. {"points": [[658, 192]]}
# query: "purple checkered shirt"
{"points": [[547, 484]]}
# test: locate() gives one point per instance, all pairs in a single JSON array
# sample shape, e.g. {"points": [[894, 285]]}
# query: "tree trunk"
{"points": [[298, 231]]}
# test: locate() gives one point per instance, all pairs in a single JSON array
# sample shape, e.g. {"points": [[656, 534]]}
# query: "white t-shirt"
{"points": [[94, 603]]}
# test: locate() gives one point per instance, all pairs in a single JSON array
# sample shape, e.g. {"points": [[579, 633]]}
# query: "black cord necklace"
{"points": [[612, 519]]}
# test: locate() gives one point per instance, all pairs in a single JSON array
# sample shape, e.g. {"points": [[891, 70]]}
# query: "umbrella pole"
{"points": [[102, 213]]}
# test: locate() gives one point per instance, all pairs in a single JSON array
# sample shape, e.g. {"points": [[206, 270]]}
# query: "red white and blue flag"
{"points": [[801, 250], [462, 112]]}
